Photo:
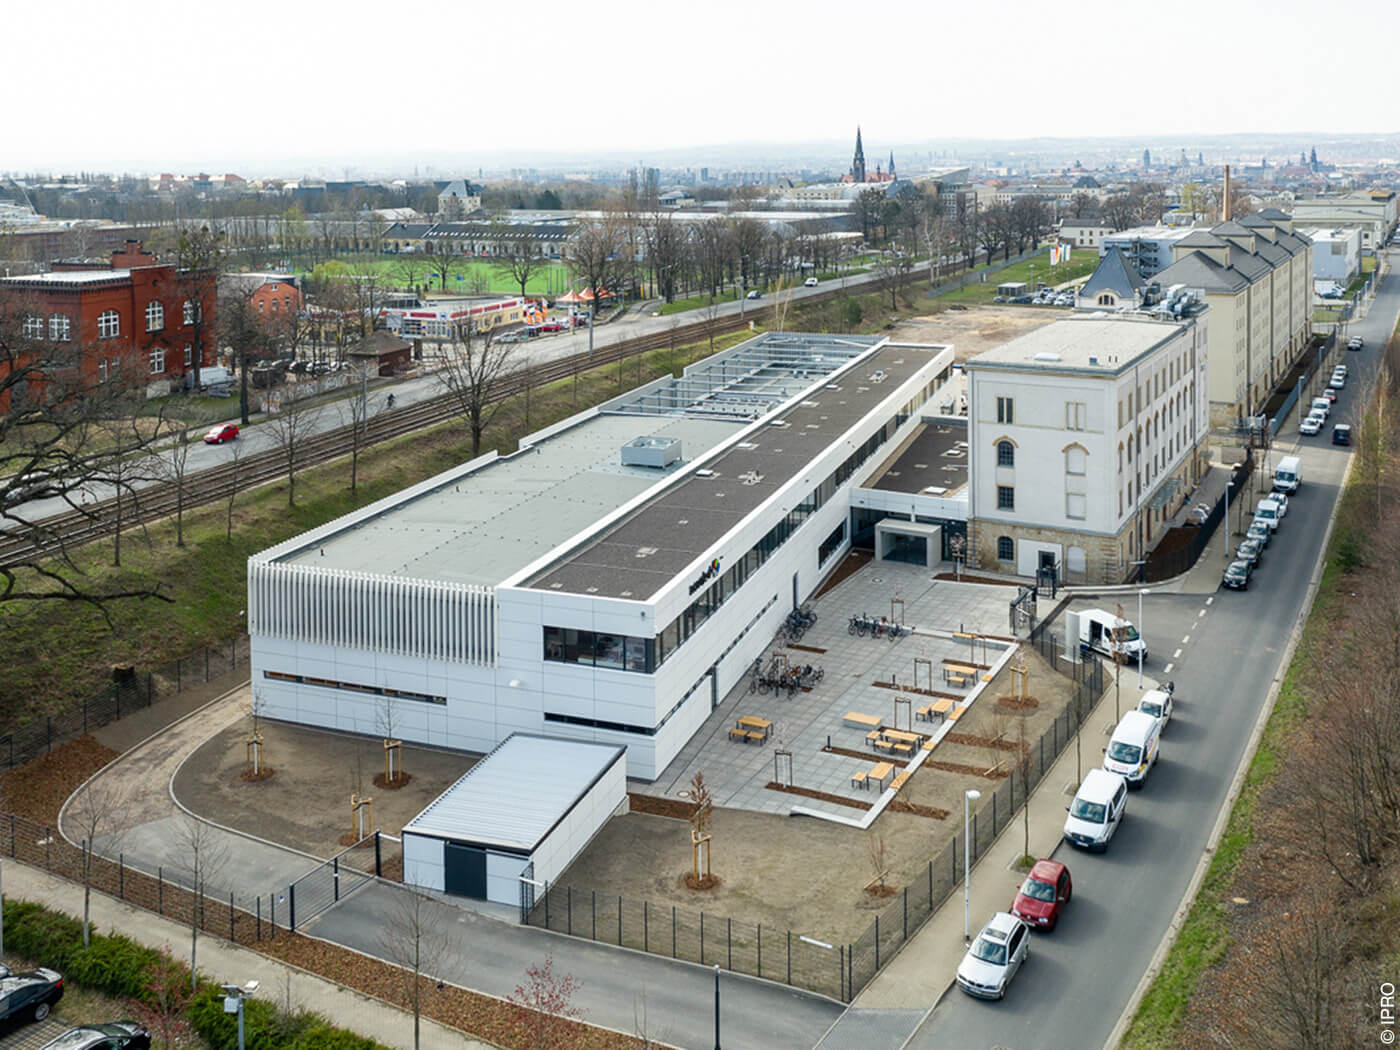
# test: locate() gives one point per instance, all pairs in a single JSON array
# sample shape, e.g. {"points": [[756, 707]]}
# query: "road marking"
{"points": [[1186, 640], [1210, 599], [1176, 655], [1168, 669], [1201, 613]]}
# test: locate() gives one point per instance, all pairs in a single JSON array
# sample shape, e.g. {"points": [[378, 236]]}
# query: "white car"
{"points": [[1158, 704], [1339, 370], [1337, 382], [1312, 424], [1281, 498], [994, 957], [810, 282]]}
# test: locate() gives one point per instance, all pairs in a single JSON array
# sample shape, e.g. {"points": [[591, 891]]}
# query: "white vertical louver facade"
{"points": [[422, 619]]}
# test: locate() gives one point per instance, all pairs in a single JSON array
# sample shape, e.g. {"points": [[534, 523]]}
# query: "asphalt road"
{"points": [[1080, 978], [617, 987]]}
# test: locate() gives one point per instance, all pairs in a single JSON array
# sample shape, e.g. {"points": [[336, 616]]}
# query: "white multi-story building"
{"points": [[608, 582], [1373, 212], [1084, 437], [1336, 254], [1148, 248]]}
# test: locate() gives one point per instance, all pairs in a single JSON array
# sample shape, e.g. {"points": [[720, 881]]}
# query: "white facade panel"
{"points": [[423, 862], [503, 871]]}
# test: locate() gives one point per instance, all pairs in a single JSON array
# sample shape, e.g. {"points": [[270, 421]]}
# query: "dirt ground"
{"points": [[306, 803], [809, 875], [975, 329]]}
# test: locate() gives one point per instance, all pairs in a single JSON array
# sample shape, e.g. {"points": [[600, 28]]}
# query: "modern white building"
{"points": [[1336, 254], [1147, 248], [612, 579], [1084, 438], [1373, 212], [524, 812]]}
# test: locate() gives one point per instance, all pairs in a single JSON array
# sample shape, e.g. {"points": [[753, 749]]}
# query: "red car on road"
{"points": [[1043, 895], [221, 433]]}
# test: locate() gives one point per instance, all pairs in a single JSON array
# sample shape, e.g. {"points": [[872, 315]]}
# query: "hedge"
{"points": [[118, 966]]}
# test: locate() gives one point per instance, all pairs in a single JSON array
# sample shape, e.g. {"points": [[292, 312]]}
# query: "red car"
{"points": [[550, 326], [1043, 895], [221, 433]]}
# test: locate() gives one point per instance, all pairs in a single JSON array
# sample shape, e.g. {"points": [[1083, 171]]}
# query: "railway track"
{"points": [[73, 528]]}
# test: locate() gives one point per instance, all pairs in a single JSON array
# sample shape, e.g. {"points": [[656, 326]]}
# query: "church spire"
{"points": [[858, 161], [891, 165]]}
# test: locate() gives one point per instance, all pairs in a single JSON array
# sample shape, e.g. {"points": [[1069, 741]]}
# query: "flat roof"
{"points": [[482, 526], [648, 547], [71, 277], [934, 457], [515, 796], [1085, 343]]}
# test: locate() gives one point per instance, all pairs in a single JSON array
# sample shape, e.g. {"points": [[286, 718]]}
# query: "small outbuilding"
{"points": [[383, 352], [526, 809]]}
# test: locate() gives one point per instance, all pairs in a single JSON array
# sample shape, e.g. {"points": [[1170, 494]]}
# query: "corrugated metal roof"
{"points": [[515, 796]]}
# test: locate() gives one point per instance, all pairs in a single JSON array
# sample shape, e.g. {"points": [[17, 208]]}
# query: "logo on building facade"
{"points": [[711, 571]]}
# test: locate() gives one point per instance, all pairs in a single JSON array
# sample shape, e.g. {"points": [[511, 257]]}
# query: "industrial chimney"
{"points": [[1225, 204]]}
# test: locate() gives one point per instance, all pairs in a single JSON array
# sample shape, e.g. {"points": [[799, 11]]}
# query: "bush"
{"points": [[265, 1027], [113, 964]]}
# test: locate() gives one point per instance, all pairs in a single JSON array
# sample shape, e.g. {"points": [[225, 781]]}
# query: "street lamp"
{"points": [[1225, 522], [970, 796], [716, 1007], [233, 1003], [1142, 645]]}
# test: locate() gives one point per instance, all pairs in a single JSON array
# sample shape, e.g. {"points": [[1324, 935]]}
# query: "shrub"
{"points": [[113, 964], [265, 1027]]}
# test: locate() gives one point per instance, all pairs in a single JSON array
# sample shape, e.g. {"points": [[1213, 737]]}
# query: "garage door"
{"points": [[464, 870]]}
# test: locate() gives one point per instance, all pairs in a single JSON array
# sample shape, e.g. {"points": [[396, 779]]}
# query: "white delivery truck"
{"points": [[1107, 634], [1288, 475], [216, 381]]}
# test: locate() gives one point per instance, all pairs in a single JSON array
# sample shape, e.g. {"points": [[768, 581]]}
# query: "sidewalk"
{"points": [[925, 968], [222, 961]]}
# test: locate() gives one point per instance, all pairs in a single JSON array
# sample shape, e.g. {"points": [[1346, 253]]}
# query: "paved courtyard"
{"points": [[737, 772]]}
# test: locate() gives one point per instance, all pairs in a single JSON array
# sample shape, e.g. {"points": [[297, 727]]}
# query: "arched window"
{"points": [[1106, 299], [155, 316], [109, 324], [1006, 548], [1006, 454], [1075, 459]]}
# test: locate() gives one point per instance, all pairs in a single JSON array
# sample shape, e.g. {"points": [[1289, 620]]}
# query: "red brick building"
{"points": [[132, 313]]}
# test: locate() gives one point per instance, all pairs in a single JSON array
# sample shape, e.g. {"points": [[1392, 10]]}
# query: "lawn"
{"points": [[1031, 271], [465, 276]]}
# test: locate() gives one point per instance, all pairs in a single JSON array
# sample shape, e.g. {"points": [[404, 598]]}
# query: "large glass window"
{"points": [[613, 652], [155, 316], [109, 325]]}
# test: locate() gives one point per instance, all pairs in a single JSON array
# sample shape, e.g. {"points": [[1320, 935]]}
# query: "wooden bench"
{"points": [[925, 713], [956, 713], [862, 721], [959, 680], [756, 736], [928, 744], [884, 745], [738, 734], [858, 779], [900, 779], [903, 747], [874, 735]]}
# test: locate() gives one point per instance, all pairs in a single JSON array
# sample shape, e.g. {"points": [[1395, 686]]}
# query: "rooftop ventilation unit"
{"points": [[780, 423], [1047, 355], [707, 473], [655, 452], [753, 477]]}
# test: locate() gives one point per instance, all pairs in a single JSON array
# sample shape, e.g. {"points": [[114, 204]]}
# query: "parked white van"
{"points": [[1132, 750], [1288, 475], [1269, 512], [1105, 633], [1097, 810]]}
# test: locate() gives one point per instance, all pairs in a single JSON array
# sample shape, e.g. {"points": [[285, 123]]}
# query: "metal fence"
{"points": [[333, 880], [1163, 564], [129, 690], [836, 970]]}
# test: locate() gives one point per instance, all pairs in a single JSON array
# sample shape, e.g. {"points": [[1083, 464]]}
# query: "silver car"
{"points": [[994, 957]]}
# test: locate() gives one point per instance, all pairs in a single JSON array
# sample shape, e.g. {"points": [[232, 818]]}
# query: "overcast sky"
{"points": [[259, 89]]}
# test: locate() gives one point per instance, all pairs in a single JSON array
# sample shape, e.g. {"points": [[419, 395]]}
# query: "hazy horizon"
{"points": [[325, 88]]}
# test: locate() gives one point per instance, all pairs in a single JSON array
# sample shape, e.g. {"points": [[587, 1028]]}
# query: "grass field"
{"points": [[464, 276], [1031, 271]]}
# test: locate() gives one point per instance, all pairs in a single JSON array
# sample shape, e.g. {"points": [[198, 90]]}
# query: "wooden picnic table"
{"points": [[953, 661], [966, 670], [754, 727], [855, 718], [899, 734], [882, 772]]}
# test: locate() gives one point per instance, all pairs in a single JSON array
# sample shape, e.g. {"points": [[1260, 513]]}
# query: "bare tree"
{"points": [[595, 255], [235, 464], [386, 720], [359, 424], [204, 853], [968, 233], [200, 255], [999, 230], [1029, 218], [472, 375], [412, 940], [126, 464], [96, 811], [291, 426], [877, 851], [1119, 211], [545, 1000], [445, 261], [516, 254], [895, 268], [1082, 204], [173, 466], [243, 331], [668, 252]]}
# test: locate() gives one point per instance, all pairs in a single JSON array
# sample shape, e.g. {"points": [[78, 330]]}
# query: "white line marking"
{"points": [[1168, 669], [1201, 613], [1176, 655], [1210, 599], [1186, 640]]}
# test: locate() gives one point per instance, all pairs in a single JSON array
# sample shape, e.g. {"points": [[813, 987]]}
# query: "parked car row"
{"points": [[1321, 407], [1002, 946], [32, 994]]}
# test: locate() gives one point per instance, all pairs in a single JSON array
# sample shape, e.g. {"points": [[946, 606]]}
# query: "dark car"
{"points": [[1341, 434], [1249, 551], [30, 486], [117, 1035], [1044, 895], [29, 996], [1237, 575]]}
